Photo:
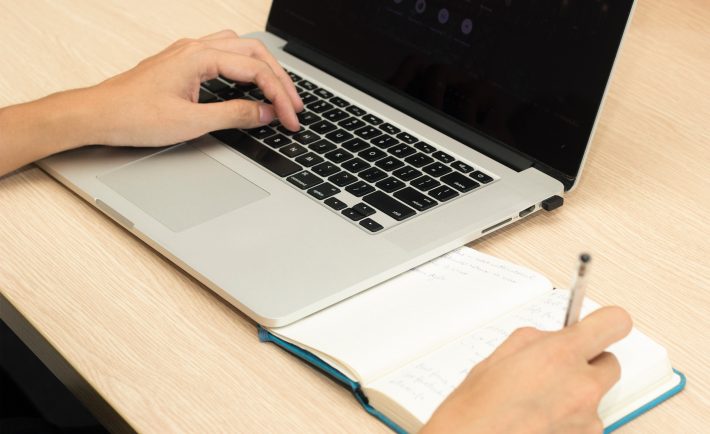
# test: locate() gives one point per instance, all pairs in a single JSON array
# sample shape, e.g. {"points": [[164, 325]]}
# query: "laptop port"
{"points": [[526, 211]]}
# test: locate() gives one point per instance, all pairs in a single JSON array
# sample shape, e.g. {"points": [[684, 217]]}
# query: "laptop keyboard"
{"points": [[368, 170]]}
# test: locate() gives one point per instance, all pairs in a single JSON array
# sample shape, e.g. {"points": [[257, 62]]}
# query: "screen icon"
{"points": [[466, 26], [420, 6], [443, 15]]}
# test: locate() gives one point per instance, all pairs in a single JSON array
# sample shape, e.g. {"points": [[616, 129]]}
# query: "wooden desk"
{"points": [[148, 348]]}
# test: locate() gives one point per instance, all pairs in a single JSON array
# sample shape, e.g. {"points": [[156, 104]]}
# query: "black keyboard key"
{"points": [[390, 184], [461, 166], [322, 146], [294, 77], [355, 165], [424, 147], [335, 203], [364, 209], [323, 93], [215, 85], [370, 225], [342, 179], [356, 145], [324, 191], [373, 174], [402, 150], [285, 131], [261, 154], [360, 189], [425, 183], [257, 94], [459, 182], [306, 137], [437, 169], [206, 97], [293, 150], [307, 98], [325, 168], [351, 123], [337, 156], [304, 180], [261, 132], [418, 159], [307, 85], [352, 214], [389, 163], [368, 132], [319, 106], [339, 136], [277, 141], [309, 159], [443, 193], [389, 128], [244, 87], [443, 157], [481, 177], [307, 118], [407, 138], [370, 119], [384, 141], [406, 173], [372, 154], [339, 102], [392, 207], [415, 199], [229, 94], [322, 127], [335, 115], [355, 110]]}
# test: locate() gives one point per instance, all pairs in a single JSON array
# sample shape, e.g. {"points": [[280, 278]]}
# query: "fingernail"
{"points": [[266, 114]]}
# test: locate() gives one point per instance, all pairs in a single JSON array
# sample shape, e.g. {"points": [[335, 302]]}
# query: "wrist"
{"points": [[70, 119], [59, 122]]}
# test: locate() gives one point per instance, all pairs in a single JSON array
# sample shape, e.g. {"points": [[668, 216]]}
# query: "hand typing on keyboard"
{"points": [[155, 103]]}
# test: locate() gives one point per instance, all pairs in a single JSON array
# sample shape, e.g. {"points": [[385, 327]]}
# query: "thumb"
{"points": [[236, 113]]}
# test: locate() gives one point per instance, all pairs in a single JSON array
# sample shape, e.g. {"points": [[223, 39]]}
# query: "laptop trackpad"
{"points": [[182, 187]]}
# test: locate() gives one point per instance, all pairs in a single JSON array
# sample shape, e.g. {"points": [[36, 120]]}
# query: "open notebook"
{"points": [[404, 345]]}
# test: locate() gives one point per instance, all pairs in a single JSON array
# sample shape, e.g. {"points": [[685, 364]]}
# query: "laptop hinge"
{"points": [[410, 106]]}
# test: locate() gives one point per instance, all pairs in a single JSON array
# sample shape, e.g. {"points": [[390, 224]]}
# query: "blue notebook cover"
{"points": [[354, 387]]}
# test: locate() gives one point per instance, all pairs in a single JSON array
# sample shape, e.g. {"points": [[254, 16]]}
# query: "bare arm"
{"points": [[153, 104]]}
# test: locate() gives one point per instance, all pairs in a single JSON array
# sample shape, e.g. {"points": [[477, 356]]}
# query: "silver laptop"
{"points": [[427, 125]]}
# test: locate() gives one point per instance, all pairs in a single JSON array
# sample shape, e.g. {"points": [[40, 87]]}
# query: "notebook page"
{"points": [[399, 320], [422, 385]]}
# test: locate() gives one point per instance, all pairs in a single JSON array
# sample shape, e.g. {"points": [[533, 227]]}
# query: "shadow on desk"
{"points": [[33, 399]]}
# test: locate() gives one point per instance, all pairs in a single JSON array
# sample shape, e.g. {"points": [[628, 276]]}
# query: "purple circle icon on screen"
{"points": [[443, 15], [420, 6], [466, 26]]}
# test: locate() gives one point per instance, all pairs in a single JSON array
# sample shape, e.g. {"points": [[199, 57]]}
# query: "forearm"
{"points": [[36, 129]]}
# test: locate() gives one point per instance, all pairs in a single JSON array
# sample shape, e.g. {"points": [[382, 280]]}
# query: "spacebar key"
{"points": [[262, 154], [392, 207]]}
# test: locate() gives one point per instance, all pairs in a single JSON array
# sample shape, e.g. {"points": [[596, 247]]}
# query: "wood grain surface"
{"points": [[150, 349]]}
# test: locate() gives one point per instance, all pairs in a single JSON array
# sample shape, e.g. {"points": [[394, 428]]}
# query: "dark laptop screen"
{"points": [[528, 73]]}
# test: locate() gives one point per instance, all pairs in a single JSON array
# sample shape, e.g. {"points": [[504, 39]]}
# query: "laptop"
{"points": [[428, 124]]}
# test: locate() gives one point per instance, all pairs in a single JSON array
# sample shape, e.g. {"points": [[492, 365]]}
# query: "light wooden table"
{"points": [[148, 348]]}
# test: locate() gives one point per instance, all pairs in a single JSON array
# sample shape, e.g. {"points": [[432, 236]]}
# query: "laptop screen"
{"points": [[529, 74]]}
